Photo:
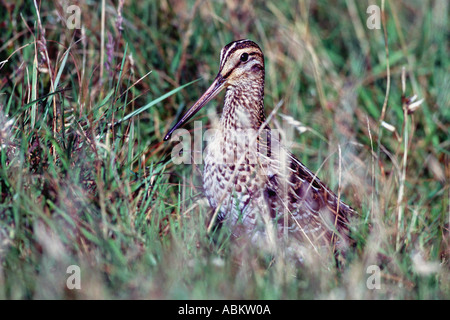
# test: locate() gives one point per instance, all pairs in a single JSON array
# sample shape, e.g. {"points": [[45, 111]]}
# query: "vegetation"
{"points": [[86, 180]]}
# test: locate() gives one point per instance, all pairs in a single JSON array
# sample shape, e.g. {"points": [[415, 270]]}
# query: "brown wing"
{"points": [[309, 209]]}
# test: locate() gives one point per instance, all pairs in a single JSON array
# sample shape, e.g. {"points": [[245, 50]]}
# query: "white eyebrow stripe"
{"points": [[225, 55]]}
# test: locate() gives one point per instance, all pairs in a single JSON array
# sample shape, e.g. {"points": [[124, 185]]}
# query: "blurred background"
{"points": [[89, 88]]}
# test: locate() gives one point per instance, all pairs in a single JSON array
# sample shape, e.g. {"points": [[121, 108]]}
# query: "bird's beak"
{"points": [[213, 90]]}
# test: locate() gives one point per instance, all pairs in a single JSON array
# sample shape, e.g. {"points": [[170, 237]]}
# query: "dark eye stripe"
{"points": [[257, 65], [255, 54]]}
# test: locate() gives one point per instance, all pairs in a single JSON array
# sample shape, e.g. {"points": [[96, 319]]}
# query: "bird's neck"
{"points": [[244, 107]]}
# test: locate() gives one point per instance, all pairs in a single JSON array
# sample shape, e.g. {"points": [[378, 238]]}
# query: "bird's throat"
{"points": [[243, 108]]}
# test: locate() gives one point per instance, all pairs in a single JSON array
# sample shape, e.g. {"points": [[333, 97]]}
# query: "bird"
{"points": [[253, 184]]}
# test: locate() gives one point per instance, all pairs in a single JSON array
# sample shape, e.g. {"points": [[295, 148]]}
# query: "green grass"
{"points": [[85, 178]]}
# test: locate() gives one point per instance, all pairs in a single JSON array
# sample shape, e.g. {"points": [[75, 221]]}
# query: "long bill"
{"points": [[213, 90]]}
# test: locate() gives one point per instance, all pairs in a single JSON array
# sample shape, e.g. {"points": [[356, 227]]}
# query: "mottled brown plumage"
{"points": [[251, 181]]}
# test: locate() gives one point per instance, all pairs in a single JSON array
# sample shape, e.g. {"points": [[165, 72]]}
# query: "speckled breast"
{"points": [[231, 177]]}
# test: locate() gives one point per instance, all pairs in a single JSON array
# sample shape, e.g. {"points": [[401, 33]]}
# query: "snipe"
{"points": [[255, 185]]}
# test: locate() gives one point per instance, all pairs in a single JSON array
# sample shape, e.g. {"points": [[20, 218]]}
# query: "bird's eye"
{"points": [[244, 57]]}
